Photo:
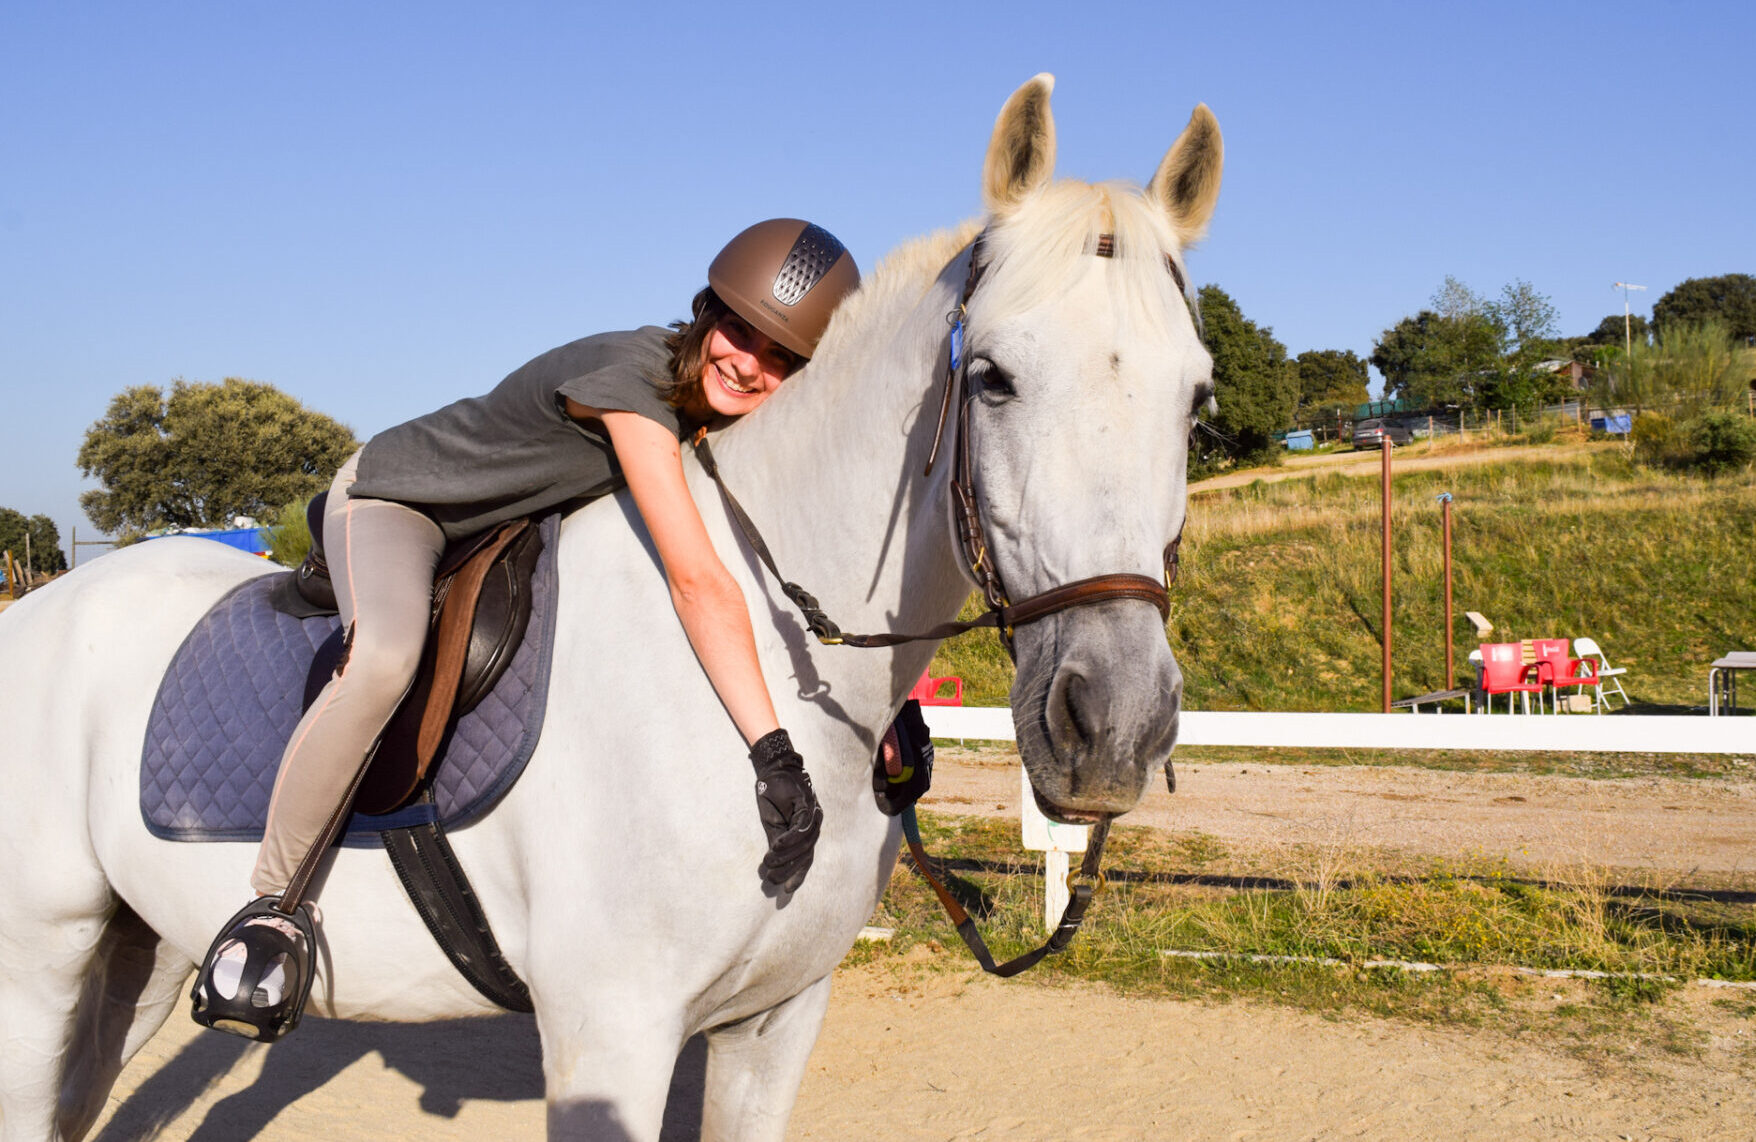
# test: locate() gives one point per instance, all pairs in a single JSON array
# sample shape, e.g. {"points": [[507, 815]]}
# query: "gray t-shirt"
{"points": [[515, 451]]}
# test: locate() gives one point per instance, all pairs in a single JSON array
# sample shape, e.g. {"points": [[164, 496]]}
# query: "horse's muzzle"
{"points": [[1096, 705]]}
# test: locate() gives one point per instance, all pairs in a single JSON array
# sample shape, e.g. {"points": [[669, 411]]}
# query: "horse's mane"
{"points": [[898, 281]]}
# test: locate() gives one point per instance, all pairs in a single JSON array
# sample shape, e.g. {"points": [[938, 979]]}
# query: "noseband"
{"points": [[1002, 614]]}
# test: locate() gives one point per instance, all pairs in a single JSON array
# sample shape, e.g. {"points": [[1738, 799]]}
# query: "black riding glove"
{"points": [[915, 746], [790, 814]]}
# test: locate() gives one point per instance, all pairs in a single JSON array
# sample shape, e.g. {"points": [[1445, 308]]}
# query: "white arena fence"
{"points": [[1578, 733]]}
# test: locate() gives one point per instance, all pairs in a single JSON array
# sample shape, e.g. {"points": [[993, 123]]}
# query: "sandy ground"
{"points": [[955, 1055]]}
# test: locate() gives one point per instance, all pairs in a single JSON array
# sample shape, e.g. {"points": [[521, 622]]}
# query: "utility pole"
{"points": [[1627, 319]]}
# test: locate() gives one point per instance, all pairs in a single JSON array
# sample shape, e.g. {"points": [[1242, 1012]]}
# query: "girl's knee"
{"points": [[379, 664]]}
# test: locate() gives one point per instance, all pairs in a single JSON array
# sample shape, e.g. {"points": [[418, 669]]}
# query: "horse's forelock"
{"points": [[1035, 252]]}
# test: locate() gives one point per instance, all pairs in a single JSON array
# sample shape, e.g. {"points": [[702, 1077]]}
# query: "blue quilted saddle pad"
{"points": [[234, 693]]}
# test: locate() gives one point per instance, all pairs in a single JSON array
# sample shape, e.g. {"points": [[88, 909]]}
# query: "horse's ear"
{"points": [[1021, 154], [1187, 183]]}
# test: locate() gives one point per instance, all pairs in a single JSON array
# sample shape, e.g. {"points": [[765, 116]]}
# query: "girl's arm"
{"points": [[706, 596]]}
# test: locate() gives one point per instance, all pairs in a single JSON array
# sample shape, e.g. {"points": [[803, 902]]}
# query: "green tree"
{"points": [[1685, 372], [44, 545], [205, 454], [1527, 322], [1613, 332], [1610, 339], [1331, 378], [1255, 385], [1432, 359], [1466, 349], [1729, 299]]}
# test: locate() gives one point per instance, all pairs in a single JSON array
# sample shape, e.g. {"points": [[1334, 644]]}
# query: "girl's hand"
{"points": [[790, 814]]}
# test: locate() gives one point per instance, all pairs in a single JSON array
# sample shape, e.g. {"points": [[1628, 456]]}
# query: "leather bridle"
{"points": [[1002, 614]]}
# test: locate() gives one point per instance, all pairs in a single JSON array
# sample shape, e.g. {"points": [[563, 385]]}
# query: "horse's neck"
{"points": [[830, 470]]}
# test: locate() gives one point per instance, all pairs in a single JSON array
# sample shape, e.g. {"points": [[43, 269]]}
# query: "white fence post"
{"points": [[1054, 841]]}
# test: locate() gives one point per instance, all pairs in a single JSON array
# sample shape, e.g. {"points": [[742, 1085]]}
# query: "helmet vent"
{"points": [[813, 253]]}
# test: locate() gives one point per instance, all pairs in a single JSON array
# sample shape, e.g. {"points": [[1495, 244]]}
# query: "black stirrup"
{"points": [[241, 1013]]}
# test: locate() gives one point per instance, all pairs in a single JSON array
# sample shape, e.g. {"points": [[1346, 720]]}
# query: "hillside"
{"points": [[1278, 604]]}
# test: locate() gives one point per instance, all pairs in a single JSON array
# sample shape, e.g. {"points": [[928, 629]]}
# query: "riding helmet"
{"points": [[785, 277]]}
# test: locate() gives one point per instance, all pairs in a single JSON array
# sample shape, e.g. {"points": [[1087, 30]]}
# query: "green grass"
{"points": [[1278, 605], [1191, 893]]}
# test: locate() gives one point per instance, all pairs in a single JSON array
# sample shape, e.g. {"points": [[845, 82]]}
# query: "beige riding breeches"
{"points": [[382, 557]]}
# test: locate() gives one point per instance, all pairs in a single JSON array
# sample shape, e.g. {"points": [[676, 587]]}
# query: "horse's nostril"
{"points": [[1074, 696]]}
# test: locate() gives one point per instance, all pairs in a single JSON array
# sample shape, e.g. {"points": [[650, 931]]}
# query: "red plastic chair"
{"points": [[927, 691], [1556, 668], [1504, 672]]}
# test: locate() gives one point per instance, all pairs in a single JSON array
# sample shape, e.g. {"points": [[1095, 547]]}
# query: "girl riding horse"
{"points": [[576, 423]]}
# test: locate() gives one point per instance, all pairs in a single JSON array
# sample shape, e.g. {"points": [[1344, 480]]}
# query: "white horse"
{"points": [[620, 873]]}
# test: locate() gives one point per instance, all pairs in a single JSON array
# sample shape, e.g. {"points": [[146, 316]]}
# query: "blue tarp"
{"points": [[249, 539], [1301, 441], [1619, 424]]}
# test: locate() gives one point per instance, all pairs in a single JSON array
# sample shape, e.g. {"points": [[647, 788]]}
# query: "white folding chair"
{"points": [[1582, 647]]}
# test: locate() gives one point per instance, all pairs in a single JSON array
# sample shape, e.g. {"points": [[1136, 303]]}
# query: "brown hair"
{"points": [[687, 346]]}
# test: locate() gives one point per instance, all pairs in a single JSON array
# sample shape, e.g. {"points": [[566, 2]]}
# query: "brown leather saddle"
{"points": [[481, 609]]}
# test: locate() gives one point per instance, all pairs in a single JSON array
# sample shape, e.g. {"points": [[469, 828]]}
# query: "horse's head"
{"points": [[1087, 370]]}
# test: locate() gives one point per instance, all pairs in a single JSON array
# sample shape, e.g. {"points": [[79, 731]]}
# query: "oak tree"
{"points": [[205, 454]]}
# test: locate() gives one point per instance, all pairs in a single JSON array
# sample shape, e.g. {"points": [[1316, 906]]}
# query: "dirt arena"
{"points": [[934, 1055]]}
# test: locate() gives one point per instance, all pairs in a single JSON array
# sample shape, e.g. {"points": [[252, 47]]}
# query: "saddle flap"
{"points": [[481, 610]]}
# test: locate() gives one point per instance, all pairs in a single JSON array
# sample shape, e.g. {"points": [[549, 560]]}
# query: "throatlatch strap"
{"points": [[1080, 897]]}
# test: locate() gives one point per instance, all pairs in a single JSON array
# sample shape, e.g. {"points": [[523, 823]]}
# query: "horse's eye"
{"points": [[995, 383]]}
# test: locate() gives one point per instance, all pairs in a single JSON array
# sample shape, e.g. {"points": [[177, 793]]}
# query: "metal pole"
{"points": [[1384, 481], [1450, 676]]}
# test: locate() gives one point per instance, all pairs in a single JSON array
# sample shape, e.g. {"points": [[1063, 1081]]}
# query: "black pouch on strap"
{"points": [[894, 794]]}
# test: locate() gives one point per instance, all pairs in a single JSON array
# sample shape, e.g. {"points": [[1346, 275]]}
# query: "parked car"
{"points": [[1371, 433]]}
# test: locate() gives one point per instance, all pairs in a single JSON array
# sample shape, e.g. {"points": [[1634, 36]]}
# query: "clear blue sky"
{"points": [[383, 207]]}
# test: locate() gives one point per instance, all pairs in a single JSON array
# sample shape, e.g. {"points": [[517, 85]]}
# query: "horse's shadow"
{"points": [[497, 1059]]}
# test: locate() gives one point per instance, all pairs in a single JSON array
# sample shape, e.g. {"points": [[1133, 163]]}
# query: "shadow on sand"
{"points": [[498, 1059]]}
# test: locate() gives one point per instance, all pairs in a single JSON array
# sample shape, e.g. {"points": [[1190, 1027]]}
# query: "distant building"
{"points": [[1578, 376]]}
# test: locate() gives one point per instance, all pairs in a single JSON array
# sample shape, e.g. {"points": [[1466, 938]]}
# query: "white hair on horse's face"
{"points": [[1039, 249]]}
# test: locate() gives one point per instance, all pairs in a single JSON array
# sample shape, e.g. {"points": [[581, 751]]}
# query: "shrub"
{"points": [[1654, 436], [288, 536], [1721, 442]]}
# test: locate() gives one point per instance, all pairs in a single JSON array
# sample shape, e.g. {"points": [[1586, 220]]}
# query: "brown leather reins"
{"points": [[1002, 614]]}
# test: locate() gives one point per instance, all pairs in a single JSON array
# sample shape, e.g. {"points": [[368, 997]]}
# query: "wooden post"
{"points": [[1384, 480], [1450, 676]]}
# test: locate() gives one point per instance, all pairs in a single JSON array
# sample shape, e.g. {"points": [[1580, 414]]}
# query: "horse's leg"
{"points": [[607, 1073], [132, 984], [754, 1067], [48, 943]]}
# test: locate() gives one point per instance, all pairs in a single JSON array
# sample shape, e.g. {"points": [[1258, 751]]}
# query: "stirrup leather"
{"points": [[264, 945]]}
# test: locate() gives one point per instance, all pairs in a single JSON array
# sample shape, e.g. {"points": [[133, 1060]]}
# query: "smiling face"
{"points": [[741, 367]]}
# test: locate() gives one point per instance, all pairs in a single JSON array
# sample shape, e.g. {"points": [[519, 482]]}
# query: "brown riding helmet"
{"points": [[785, 277]]}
